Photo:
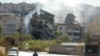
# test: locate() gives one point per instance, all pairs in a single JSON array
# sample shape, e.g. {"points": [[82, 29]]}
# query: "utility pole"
{"points": [[20, 29]]}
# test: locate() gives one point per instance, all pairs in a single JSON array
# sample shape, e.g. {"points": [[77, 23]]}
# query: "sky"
{"points": [[66, 2]]}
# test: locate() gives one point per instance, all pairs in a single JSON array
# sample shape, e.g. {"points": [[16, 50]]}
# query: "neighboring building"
{"points": [[74, 31], [71, 28], [9, 22], [16, 8], [93, 25]]}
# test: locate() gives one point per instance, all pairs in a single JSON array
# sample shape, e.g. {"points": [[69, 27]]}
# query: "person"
{"points": [[35, 54], [26, 47]]}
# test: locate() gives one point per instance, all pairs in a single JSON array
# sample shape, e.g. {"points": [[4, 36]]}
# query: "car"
{"points": [[14, 51]]}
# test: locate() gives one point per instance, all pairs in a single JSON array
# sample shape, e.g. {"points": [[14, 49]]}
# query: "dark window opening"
{"points": [[60, 27]]}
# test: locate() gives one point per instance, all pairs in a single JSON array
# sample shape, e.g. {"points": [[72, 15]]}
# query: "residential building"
{"points": [[73, 31], [93, 25], [16, 8], [9, 22], [71, 28], [42, 25]]}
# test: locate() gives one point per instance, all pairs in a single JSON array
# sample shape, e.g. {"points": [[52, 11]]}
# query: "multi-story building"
{"points": [[73, 31], [16, 8], [9, 22], [71, 28], [42, 25], [93, 25]]}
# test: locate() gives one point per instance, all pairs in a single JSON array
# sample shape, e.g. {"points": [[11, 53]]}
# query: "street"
{"points": [[22, 53]]}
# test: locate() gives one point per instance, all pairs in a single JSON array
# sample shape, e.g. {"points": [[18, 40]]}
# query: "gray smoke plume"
{"points": [[29, 16], [60, 10]]}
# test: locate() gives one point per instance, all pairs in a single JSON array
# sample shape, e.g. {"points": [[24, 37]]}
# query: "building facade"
{"points": [[73, 31], [71, 28], [42, 25], [9, 22]]}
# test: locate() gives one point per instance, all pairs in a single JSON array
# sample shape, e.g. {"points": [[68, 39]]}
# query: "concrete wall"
{"points": [[2, 49], [69, 50]]}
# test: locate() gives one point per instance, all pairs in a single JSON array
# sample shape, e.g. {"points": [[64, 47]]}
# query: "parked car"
{"points": [[14, 51]]}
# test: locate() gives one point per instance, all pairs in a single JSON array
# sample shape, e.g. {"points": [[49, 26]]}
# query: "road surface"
{"points": [[22, 53]]}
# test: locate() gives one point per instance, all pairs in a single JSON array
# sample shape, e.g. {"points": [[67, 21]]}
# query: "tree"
{"points": [[64, 38], [16, 34], [28, 37], [88, 37], [0, 32], [11, 40], [57, 33]]}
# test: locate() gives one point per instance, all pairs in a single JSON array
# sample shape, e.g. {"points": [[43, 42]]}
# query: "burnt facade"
{"points": [[42, 26]]}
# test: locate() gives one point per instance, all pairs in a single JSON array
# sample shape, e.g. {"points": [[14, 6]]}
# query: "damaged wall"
{"points": [[42, 26]]}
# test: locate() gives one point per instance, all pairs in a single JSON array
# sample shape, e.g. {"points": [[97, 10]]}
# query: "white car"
{"points": [[14, 51]]}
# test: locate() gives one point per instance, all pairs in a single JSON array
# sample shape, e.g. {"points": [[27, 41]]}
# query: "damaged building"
{"points": [[71, 28], [42, 25]]}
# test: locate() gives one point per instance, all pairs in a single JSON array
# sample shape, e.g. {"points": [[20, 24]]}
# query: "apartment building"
{"points": [[9, 22], [73, 31]]}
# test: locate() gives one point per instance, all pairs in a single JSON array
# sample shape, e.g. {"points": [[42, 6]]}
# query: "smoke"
{"points": [[62, 7], [60, 10], [30, 14], [84, 13]]}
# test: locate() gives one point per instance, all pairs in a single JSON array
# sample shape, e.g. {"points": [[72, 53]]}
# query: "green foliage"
{"points": [[64, 38], [1, 32], [11, 40], [16, 35], [28, 37], [57, 33], [1, 36], [88, 37], [5, 44], [0, 29], [40, 45]]}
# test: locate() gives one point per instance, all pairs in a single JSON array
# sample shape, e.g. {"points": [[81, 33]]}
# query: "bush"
{"points": [[40, 45], [5, 44], [64, 38], [11, 40]]}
